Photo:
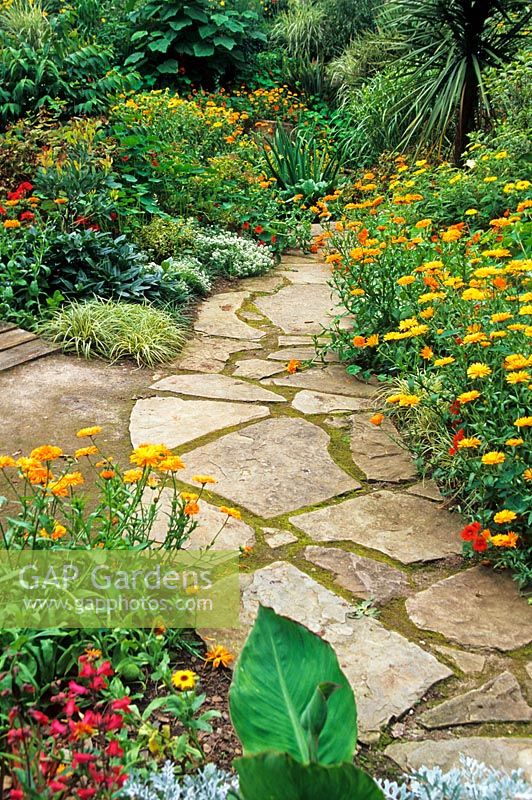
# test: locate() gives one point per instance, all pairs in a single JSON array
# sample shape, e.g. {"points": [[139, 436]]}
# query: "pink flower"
{"points": [[77, 688]]}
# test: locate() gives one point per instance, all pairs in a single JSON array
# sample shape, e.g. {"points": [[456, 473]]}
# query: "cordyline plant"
{"points": [[49, 513], [448, 46]]}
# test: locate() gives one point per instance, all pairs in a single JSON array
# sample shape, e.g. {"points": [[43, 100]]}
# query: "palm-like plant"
{"points": [[449, 44]]}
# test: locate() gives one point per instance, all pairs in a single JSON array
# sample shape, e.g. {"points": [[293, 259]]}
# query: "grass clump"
{"points": [[114, 330]]}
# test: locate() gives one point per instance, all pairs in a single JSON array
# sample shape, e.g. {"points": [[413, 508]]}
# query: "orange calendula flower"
{"points": [[504, 516], [203, 479], [469, 443], [170, 464], [46, 452], [191, 508], [133, 475], [406, 280], [427, 353], [12, 223], [527, 474], [149, 455], [514, 442], [107, 474], [377, 419], [523, 422], [7, 461], [509, 539], [87, 432], [293, 366], [493, 457], [358, 341], [219, 655], [521, 376], [92, 450], [231, 512], [468, 397]]}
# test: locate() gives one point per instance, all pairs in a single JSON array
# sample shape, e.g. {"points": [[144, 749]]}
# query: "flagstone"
{"points": [[309, 273], [173, 422], [272, 468], [206, 354], [257, 368], [470, 663], [364, 577], [217, 317], [278, 538], [305, 308], [378, 452], [301, 354], [477, 607], [498, 700], [214, 530], [332, 379], [388, 673], [291, 340], [406, 528], [220, 387], [427, 489], [309, 402], [504, 753]]}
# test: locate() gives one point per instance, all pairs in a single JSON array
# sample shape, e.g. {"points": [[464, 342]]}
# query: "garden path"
{"points": [[336, 517]]}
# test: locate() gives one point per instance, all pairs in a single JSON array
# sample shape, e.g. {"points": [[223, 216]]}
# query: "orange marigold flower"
{"points": [[468, 397], [493, 457], [191, 509], [231, 512], [86, 451], [527, 474], [133, 475], [203, 479], [149, 455], [46, 452], [427, 353], [293, 366], [509, 539], [107, 474], [219, 655], [377, 419], [359, 341], [7, 461], [504, 516], [170, 464], [514, 442]]}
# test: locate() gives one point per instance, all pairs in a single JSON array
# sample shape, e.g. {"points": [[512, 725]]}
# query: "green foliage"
{"points": [[114, 330], [299, 742], [448, 46], [278, 776], [173, 38], [268, 676], [164, 237], [301, 164]]}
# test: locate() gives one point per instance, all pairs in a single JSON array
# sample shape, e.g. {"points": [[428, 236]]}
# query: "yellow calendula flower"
{"points": [[522, 376], [443, 362], [133, 475], [469, 443], [170, 464], [468, 397], [474, 294], [493, 457], [478, 370], [509, 539], [501, 316], [406, 280], [87, 432], [471, 212], [92, 450], [203, 479], [504, 516], [515, 442], [7, 461], [527, 474], [184, 680], [231, 512], [149, 455]]}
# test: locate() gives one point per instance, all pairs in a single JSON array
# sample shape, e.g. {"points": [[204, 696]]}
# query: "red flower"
{"points": [[245, 226], [85, 794], [113, 215], [458, 436], [57, 728], [14, 195], [480, 544], [105, 668], [27, 215], [57, 786], [25, 187], [113, 722], [273, 239], [16, 794], [122, 704], [3, 212], [471, 531], [77, 688], [114, 750], [83, 758], [125, 158], [94, 227], [39, 717], [258, 229], [454, 408]]}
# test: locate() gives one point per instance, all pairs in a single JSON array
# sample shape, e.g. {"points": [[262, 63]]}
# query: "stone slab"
{"points": [[219, 387], [427, 489], [388, 673], [173, 422], [470, 663], [377, 451], [278, 538], [498, 700], [217, 317], [262, 283], [477, 607], [406, 528], [207, 354], [306, 308], [306, 273], [332, 379], [273, 468], [294, 340], [505, 753], [301, 354], [364, 577], [257, 368], [211, 531], [309, 402]]}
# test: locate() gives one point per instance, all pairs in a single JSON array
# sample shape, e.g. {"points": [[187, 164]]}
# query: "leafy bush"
{"points": [[232, 256], [301, 164], [190, 271], [210, 783], [164, 237], [117, 330], [172, 39]]}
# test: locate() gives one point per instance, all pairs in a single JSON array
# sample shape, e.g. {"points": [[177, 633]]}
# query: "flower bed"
{"points": [[442, 311]]}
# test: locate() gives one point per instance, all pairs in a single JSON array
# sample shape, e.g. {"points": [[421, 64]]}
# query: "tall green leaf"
{"points": [[280, 667], [277, 776]]}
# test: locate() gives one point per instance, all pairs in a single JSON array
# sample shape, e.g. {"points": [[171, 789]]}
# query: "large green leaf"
{"points": [[276, 677], [203, 49], [277, 776]]}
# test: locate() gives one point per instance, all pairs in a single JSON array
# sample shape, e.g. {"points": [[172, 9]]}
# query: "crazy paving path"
{"points": [[336, 515]]}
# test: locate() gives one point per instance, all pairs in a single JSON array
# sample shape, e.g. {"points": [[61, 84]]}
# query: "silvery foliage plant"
{"points": [[210, 783], [470, 781]]}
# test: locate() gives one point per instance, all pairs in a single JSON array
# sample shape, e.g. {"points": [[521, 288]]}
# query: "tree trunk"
{"points": [[467, 113]]}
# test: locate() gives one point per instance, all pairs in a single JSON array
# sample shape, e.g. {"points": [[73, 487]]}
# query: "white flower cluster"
{"points": [[228, 254]]}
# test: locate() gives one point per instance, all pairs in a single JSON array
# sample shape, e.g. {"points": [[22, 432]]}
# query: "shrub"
{"points": [[164, 237], [232, 256], [190, 271], [114, 330]]}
